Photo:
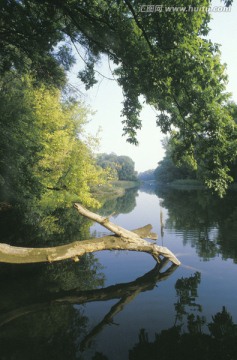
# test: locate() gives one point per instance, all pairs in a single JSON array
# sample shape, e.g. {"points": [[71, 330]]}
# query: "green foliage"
{"points": [[119, 167], [66, 163], [42, 151], [30, 30], [232, 109], [18, 140], [126, 169], [167, 171], [108, 162], [164, 56]]}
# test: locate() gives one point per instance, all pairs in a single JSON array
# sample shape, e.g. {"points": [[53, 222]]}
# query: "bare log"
{"points": [[129, 236], [125, 240], [24, 255], [104, 221]]}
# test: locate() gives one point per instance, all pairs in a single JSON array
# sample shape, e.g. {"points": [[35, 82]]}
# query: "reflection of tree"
{"points": [[25, 285], [186, 290], [222, 325], [49, 333], [121, 205], [148, 187], [190, 343], [127, 292], [175, 344], [46, 329], [206, 221], [37, 226], [99, 356], [32, 317]]}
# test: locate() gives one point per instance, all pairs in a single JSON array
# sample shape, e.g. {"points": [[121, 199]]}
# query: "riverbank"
{"points": [[117, 188], [189, 184]]}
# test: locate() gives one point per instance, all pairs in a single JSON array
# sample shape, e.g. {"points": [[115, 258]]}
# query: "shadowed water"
{"points": [[120, 305]]}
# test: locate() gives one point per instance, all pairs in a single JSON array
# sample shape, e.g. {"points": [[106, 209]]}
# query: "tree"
{"points": [[65, 162], [120, 167], [126, 168], [167, 171], [232, 108], [41, 147], [164, 56], [109, 163], [147, 175], [18, 141]]}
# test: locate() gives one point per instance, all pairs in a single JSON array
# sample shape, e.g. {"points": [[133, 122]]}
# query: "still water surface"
{"points": [[119, 305]]}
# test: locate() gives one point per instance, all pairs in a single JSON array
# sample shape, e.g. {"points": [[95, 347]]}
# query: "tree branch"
{"points": [[129, 5], [125, 240]]}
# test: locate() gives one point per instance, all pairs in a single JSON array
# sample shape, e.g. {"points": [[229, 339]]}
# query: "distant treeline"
{"points": [[148, 175], [120, 167]]}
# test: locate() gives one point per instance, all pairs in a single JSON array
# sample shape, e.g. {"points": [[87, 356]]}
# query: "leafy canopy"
{"points": [[165, 57]]}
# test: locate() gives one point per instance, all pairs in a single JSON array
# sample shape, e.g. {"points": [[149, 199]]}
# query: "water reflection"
{"points": [[219, 342], [57, 329], [26, 284], [121, 205], [186, 293], [38, 227], [64, 311], [194, 338], [205, 221]]}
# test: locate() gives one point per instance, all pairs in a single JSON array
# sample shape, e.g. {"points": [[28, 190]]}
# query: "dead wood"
{"points": [[129, 238], [124, 240]]}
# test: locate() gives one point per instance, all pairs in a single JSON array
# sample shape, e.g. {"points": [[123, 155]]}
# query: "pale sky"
{"points": [[106, 99]]}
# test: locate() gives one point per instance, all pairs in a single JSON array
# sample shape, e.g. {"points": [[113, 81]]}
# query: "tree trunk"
{"points": [[122, 240]]}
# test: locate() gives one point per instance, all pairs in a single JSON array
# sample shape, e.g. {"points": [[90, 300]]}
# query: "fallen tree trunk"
{"points": [[124, 240], [131, 237]]}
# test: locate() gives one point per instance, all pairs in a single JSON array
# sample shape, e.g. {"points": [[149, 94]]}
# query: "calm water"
{"points": [[119, 305]]}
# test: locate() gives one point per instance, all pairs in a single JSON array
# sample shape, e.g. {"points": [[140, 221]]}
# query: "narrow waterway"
{"points": [[117, 305]]}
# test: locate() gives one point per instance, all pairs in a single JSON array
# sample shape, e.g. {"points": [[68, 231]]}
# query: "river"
{"points": [[118, 305]]}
